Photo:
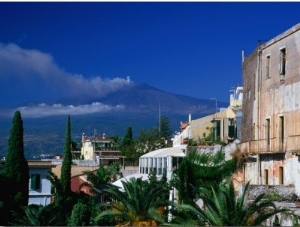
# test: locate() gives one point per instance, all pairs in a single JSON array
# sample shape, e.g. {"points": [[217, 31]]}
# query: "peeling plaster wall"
{"points": [[291, 171], [271, 112], [249, 75], [279, 95]]}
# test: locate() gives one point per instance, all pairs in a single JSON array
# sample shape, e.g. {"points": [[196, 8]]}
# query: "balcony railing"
{"points": [[273, 145]]}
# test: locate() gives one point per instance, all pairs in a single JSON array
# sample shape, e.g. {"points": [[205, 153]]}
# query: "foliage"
{"points": [[100, 179], [59, 211], [186, 215], [127, 147], [65, 176], [153, 139], [200, 170], [16, 166], [147, 141], [81, 215], [223, 208], [56, 187], [15, 175], [32, 215], [273, 196], [141, 202], [64, 198], [165, 128], [6, 199], [128, 136]]}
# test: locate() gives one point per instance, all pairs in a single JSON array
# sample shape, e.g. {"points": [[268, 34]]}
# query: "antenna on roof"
{"points": [[159, 119]]}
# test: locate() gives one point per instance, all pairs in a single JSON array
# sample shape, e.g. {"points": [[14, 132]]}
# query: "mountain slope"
{"points": [[142, 104], [144, 98]]}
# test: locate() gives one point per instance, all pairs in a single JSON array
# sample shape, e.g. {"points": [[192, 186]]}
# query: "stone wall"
{"points": [[277, 192]]}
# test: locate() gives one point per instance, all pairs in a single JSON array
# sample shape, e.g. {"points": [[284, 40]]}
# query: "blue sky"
{"points": [[50, 50]]}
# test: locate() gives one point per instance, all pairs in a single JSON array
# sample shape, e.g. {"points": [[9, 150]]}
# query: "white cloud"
{"points": [[43, 110], [30, 65]]}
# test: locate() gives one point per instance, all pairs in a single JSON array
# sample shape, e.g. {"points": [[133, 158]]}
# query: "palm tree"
{"points": [[140, 203], [100, 180], [223, 208], [201, 170], [31, 215]]}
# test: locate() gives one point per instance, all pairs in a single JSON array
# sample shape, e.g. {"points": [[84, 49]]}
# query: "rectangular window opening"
{"points": [[280, 175], [266, 177], [268, 131], [268, 66], [281, 129], [35, 182], [282, 62]]}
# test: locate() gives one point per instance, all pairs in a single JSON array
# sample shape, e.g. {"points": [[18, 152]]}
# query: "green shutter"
{"points": [[35, 181]]}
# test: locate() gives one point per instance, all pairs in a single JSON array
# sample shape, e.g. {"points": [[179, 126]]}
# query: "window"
{"points": [[268, 131], [231, 131], [281, 129], [282, 61], [35, 181], [268, 67], [280, 177], [266, 177]]}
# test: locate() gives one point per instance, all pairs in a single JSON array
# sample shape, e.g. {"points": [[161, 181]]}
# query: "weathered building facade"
{"points": [[271, 111]]}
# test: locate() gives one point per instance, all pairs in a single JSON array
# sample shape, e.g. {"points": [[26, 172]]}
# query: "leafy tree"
{"points": [[81, 215], [16, 171], [147, 141], [65, 176], [140, 203]]}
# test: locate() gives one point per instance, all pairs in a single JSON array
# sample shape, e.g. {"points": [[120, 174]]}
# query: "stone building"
{"points": [[271, 111]]}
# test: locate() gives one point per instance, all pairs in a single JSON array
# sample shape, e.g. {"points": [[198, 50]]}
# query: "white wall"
{"points": [[40, 196]]}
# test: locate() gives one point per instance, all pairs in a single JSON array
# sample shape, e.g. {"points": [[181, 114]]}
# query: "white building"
{"points": [[162, 159], [39, 184]]}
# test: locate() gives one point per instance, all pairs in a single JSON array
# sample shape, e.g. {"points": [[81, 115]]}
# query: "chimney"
{"points": [[82, 138], [190, 117]]}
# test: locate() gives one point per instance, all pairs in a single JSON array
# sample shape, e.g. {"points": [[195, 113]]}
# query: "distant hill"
{"points": [[142, 103], [145, 98]]}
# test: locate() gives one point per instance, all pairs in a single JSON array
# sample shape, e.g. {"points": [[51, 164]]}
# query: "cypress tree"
{"points": [[128, 138], [16, 166], [65, 177]]}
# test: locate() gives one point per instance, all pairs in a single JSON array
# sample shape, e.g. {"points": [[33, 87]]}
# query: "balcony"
{"points": [[108, 154], [273, 145]]}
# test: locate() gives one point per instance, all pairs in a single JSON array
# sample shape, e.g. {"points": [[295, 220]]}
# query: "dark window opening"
{"points": [[35, 181], [282, 62]]}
